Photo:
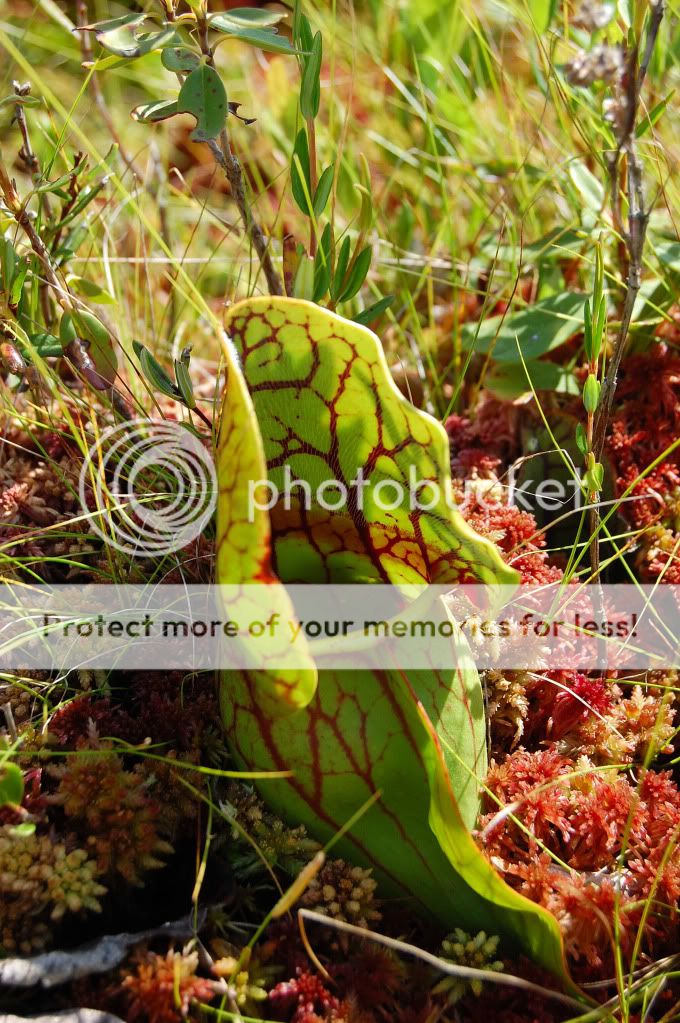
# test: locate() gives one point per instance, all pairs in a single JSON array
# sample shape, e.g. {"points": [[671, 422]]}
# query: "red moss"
{"points": [[486, 442], [373, 978], [71, 723], [173, 708], [512, 1005], [618, 840], [113, 809], [562, 701], [161, 989], [516, 534], [305, 999], [645, 423]]}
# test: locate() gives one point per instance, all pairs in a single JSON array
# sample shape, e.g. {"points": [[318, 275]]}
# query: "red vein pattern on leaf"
{"points": [[332, 537], [377, 542]]}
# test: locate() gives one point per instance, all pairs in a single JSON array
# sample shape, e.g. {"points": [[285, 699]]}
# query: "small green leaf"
{"points": [[322, 265], [594, 477], [151, 113], [357, 275], [179, 59], [121, 38], [155, 41], [184, 384], [52, 186], [87, 195], [101, 349], [248, 17], [8, 261], [203, 96], [303, 286], [591, 393], [582, 439], [300, 179], [46, 345], [264, 38], [67, 330], [653, 116], [340, 269], [305, 36], [372, 312], [24, 830], [366, 212], [153, 371], [589, 188], [323, 190], [20, 275], [111, 24], [310, 89], [588, 331], [19, 101], [90, 290], [11, 784]]}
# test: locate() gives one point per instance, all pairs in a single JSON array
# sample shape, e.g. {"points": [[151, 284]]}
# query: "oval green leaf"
{"points": [[204, 97]]}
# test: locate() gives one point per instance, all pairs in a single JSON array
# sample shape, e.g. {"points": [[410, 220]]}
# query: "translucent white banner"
{"points": [[343, 627]]}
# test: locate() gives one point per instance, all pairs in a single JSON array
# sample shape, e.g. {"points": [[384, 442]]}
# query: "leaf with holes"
{"points": [[203, 96], [179, 59], [327, 407]]}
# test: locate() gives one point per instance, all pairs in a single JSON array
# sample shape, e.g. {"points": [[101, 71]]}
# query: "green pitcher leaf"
{"points": [[244, 543], [203, 96], [327, 408]]}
